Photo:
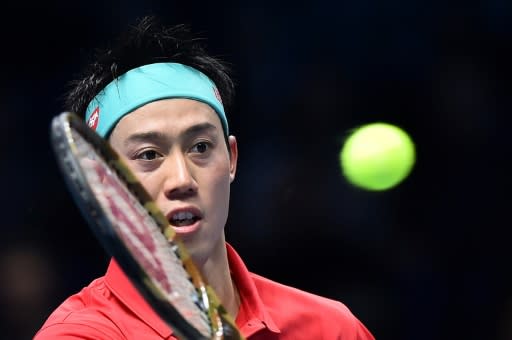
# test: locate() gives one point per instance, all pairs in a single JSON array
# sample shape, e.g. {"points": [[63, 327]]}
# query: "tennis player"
{"points": [[161, 101]]}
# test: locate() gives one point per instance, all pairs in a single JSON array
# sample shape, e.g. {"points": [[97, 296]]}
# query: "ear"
{"points": [[233, 158]]}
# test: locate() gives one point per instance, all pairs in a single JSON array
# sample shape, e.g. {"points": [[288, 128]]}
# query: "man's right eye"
{"points": [[148, 155]]}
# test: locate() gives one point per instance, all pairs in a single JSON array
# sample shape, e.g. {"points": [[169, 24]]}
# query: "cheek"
{"points": [[151, 186], [217, 183], [148, 182]]}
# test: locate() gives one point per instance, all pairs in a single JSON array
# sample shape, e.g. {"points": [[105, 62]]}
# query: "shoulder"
{"points": [[82, 315], [290, 305], [78, 329], [272, 292]]}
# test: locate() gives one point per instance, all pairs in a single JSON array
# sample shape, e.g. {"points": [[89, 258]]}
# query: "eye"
{"points": [[148, 155], [200, 147]]}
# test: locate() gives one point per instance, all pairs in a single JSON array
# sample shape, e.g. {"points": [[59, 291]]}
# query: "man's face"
{"points": [[176, 149]]}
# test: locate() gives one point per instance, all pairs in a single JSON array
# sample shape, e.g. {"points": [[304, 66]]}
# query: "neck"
{"points": [[216, 272]]}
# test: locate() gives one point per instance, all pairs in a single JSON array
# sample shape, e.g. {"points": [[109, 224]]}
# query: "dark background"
{"points": [[426, 260]]}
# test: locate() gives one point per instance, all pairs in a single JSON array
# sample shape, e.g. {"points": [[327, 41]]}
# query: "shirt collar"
{"points": [[257, 314], [250, 299]]}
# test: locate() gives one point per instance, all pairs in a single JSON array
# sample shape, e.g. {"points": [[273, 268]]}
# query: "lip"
{"points": [[189, 229]]}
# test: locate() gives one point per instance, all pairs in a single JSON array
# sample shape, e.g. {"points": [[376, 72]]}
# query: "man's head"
{"points": [[149, 83], [177, 143], [148, 42]]}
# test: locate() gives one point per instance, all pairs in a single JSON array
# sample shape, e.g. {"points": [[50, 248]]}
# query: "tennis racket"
{"points": [[132, 229]]}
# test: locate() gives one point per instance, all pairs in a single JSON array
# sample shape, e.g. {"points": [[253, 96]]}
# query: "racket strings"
{"points": [[132, 222]]}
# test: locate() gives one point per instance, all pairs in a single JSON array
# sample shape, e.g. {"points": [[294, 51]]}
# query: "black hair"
{"points": [[147, 41]]}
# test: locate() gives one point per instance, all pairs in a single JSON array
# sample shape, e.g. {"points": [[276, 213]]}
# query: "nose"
{"points": [[179, 180]]}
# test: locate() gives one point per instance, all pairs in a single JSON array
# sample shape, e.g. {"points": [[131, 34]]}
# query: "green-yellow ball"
{"points": [[377, 156]]}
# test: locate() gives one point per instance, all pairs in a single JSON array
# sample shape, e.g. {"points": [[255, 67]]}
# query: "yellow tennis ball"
{"points": [[377, 156]]}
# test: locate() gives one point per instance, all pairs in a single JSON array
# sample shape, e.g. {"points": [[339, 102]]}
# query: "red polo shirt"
{"points": [[111, 308]]}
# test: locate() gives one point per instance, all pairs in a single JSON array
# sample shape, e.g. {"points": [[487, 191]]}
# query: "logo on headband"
{"points": [[217, 95], [94, 118]]}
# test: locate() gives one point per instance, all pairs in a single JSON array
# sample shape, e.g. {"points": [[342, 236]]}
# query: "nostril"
{"points": [[180, 192], [179, 179]]}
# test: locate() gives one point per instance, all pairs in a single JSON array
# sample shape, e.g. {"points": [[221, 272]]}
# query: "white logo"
{"points": [[94, 118]]}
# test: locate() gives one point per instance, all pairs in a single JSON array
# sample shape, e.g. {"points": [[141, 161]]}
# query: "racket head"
{"points": [[131, 228]]}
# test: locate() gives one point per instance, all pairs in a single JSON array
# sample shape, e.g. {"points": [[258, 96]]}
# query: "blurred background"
{"points": [[428, 259]]}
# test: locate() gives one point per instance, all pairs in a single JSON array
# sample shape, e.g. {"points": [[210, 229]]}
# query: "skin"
{"points": [[176, 148]]}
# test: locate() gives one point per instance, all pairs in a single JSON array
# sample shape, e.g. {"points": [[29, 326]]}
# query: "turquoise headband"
{"points": [[146, 84]]}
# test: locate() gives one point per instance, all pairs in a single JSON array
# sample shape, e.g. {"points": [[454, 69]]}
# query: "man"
{"points": [[160, 100]]}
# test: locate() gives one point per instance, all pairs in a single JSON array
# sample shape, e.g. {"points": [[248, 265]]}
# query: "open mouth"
{"points": [[183, 219]]}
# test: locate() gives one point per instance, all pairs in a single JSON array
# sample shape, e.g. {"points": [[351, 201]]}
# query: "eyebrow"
{"points": [[159, 137]]}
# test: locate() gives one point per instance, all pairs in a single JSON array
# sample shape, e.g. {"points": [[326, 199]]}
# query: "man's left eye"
{"points": [[200, 147]]}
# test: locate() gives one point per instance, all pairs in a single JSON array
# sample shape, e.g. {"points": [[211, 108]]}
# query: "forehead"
{"points": [[168, 115]]}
